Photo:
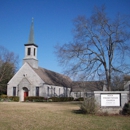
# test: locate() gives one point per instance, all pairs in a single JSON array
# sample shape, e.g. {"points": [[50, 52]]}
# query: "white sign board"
{"points": [[110, 100]]}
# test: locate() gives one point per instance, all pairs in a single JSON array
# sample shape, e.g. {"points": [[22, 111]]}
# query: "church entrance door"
{"points": [[25, 95], [25, 92]]}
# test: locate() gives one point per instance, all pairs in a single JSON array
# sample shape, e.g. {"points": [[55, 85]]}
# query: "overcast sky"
{"points": [[53, 23]]}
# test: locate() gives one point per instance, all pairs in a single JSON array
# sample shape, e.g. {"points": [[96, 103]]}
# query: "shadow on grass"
{"points": [[78, 111]]}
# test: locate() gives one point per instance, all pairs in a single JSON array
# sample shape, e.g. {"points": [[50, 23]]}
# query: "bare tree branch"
{"points": [[100, 47]]}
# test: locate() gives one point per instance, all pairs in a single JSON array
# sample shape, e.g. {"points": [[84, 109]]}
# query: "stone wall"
{"points": [[112, 109]]}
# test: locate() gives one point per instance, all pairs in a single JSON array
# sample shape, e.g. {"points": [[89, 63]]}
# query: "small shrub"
{"points": [[3, 97], [61, 99], [79, 99], [13, 98], [70, 98], [126, 109], [9, 98], [88, 106], [34, 99], [49, 100], [55, 99]]}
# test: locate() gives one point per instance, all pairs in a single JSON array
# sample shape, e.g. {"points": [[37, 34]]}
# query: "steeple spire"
{"points": [[31, 35], [31, 49]]}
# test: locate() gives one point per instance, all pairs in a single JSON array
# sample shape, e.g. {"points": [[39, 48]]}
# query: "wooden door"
{"points": [[25, 95]]}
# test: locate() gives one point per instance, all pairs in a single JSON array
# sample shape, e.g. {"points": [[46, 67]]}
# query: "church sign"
{"points": [[108, 100]]}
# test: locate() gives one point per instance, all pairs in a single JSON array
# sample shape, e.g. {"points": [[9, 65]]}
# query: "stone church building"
{"points": [[32, 80]]}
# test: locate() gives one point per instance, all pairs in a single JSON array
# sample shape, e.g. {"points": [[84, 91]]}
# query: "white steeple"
{"points": [[31, 49]]}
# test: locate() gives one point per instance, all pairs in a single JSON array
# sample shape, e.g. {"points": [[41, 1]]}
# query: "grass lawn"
{"points": [[55, 116]]}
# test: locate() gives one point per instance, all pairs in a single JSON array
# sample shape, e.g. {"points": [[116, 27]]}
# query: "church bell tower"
{"points": [[31, 49]]}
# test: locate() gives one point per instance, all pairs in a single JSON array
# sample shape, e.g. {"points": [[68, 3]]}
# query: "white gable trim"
{"points": [[17, 73], [26, 65], [26, 79], [35, 72]]}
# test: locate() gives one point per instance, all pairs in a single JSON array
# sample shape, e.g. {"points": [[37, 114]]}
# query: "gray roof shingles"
{"points": [[53, 78], [87, 86]]}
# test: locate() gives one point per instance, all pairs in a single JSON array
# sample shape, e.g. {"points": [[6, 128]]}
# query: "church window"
{"points": [[48, 93], [51, 91], [59, 92], [76, 94], [64, 92], [14, 91], [29, 51], [34, 51], [37, 91], [54, 91]]}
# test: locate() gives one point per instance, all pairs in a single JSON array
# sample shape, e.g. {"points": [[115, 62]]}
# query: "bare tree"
{"points": [[117, 82], [100, 47], [8, 67]]}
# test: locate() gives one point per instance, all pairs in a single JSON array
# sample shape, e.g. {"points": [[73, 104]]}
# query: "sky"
{"points": [[53, 24]]}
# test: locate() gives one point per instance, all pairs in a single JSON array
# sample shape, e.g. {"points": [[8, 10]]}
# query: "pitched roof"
{"points": [[127, 78], [79, 86], [53, 78]]}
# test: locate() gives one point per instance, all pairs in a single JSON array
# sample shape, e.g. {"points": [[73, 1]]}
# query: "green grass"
{"points": [[55, 116]]}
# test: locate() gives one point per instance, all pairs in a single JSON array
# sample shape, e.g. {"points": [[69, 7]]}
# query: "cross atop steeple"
{"points": [[31, 35], [32, 19]]}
